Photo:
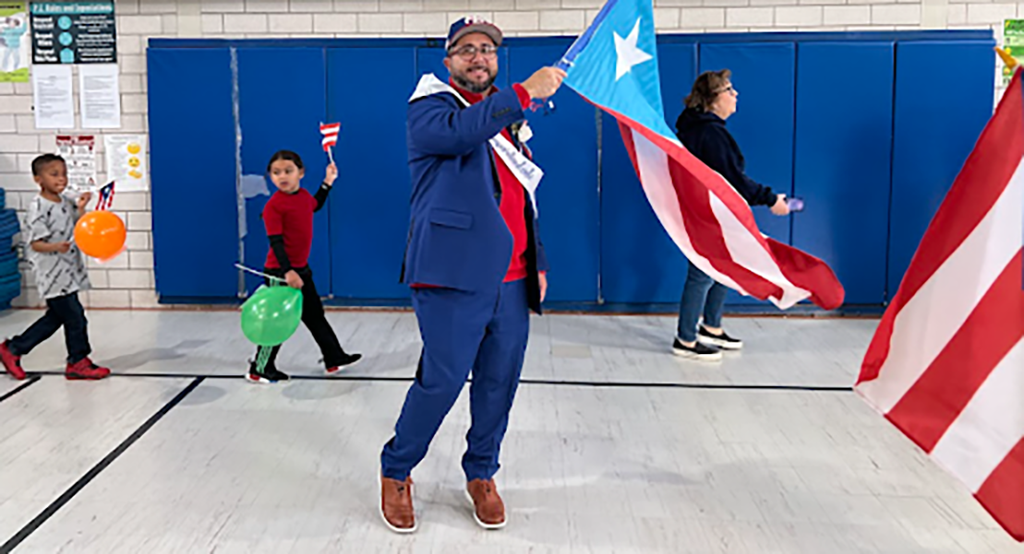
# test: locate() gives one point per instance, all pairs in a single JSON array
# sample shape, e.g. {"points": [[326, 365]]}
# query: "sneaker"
{"points": [[85, 370], [396, 505], [723, 341], [268, 376], [698, 351], [347, 361], [488, 508], [11, 362]]}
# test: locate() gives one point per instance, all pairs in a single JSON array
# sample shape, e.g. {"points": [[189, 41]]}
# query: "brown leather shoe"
{"points": [[488, 509], [396, 505]]}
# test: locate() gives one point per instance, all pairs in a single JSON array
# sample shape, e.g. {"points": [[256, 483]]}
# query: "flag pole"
{"points": [[261, 274], [583, 40]]}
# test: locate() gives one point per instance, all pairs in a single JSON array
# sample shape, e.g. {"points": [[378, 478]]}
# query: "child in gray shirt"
{"points": [[60, 273]]}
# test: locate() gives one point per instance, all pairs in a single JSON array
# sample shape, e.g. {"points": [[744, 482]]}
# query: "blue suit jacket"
{"points": [[457, 236]]}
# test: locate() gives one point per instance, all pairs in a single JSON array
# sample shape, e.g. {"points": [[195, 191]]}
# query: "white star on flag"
{"points": [[626, 52]]}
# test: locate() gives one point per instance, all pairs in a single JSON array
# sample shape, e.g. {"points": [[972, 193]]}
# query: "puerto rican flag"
{"points": [[614, 66], [330, 134], [106, 197], [946, 365]]}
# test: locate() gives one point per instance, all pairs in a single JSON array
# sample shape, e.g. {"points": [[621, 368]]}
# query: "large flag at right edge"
{"points": [[946, 365]]}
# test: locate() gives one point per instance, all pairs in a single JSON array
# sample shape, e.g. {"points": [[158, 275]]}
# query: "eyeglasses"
{"points": [[726, 89], [469, 51]]}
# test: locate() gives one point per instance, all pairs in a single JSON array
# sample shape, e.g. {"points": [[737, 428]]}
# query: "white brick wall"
{"points": [[291, 23], [749, 17], [245, 23], [799, 16], [847, 15], [896, 14], [697, 18], [379, 22], [562, 21], [128, 280], [336, 23]]}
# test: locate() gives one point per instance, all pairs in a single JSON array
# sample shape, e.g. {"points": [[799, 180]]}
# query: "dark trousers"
{"points": [[312, 317], [480, 332], [63, 311]]}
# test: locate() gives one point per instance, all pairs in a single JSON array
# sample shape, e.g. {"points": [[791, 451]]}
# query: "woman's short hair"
{"points": [[706, 88]]}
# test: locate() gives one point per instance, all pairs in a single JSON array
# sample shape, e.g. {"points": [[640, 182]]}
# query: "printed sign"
{"points": [[73, 32]]}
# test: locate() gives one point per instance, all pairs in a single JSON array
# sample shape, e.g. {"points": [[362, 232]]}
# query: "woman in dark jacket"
{"points": [[701, 128]]}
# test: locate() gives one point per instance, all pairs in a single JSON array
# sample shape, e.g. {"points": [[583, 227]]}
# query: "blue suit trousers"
{"points": [[483, 333]]}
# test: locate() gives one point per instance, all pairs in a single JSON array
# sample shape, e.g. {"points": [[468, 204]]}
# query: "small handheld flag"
{"points": [[106, 198], [330, 132]]}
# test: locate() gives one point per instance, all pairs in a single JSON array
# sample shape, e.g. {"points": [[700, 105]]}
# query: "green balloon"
{"points": [[271, 315]]}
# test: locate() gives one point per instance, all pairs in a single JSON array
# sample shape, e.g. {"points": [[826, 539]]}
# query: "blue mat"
{"points": [[9, 225]]}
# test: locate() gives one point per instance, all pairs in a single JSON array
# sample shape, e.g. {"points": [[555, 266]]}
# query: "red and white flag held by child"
{"points": [[106, 197], [330, 133]]}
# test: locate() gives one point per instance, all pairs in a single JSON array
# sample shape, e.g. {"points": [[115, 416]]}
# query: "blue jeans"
{"points": [[700, 294]]}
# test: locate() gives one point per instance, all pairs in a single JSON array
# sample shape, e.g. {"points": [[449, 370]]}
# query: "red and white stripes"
{"points": [[330, 134], [946, 365], [714, 227]]}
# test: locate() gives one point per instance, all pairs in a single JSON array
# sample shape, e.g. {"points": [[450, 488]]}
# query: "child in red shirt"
{"points": [[288, 217]]}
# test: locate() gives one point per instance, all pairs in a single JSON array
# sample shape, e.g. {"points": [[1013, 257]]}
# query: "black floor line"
{"points": [[23, 386], [547, 382], [63, 499], [703, 386]]}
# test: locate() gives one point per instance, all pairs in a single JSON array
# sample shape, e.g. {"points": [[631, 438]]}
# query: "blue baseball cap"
{"points": [[468, 25]]}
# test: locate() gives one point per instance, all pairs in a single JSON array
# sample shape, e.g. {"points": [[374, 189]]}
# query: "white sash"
{"points": [[526, 172]]}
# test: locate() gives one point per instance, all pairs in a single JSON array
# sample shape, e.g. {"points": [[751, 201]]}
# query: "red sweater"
{"points": [[513, 195], [290, 215]]}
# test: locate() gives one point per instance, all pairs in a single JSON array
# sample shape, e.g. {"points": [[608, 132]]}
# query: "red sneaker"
{"points": [[11, 362], [85, 370]]}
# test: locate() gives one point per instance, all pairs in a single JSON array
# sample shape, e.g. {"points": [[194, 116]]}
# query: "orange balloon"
{"points": [[100, 235]]}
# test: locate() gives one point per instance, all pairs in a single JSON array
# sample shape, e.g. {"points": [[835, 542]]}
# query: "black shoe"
{"points": [[347, 360], [269, 375], [698, 351], [723, 341]]}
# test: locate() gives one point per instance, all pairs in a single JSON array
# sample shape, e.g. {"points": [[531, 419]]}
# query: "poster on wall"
{"points": [[126, 162], [15, 42], [99, 93], [51, 92], [1013, 44], [79, 153], [73, 32]]}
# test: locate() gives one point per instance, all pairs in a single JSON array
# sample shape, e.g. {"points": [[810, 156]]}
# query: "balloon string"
{"points": [[254, 272], [263, 358]]}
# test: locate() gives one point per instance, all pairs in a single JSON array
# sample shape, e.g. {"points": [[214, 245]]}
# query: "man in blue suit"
{"points": [[474, 261]]}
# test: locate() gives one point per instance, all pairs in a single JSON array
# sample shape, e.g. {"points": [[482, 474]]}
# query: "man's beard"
{"points": [[476, 88]]}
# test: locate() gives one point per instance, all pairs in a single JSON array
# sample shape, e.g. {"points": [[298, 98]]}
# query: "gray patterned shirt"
{"points": [[57, 273]]}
